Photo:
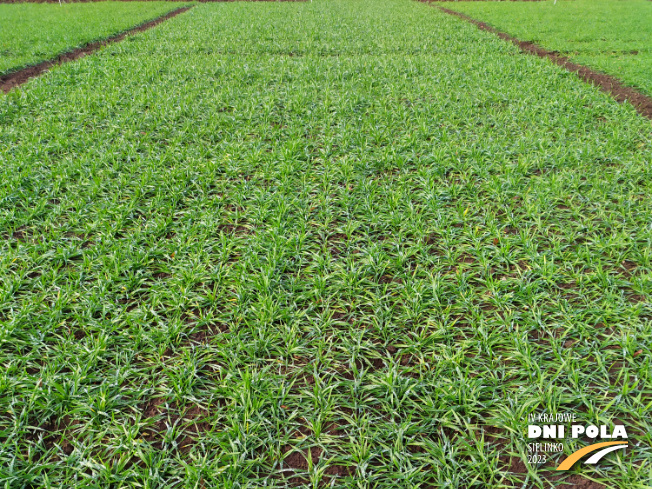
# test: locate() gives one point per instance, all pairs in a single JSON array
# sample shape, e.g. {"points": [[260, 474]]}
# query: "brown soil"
{"points": [[192, 420], [17, 78], [296, 462], [606, 83]]}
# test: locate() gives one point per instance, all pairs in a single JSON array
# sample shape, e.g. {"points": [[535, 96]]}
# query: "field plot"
{"points": [[330, 244], [30, 33], [612, 36]]}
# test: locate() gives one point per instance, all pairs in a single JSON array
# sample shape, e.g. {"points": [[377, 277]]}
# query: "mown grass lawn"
{"points": [[30, 33], [612, 36], [347, 242]]}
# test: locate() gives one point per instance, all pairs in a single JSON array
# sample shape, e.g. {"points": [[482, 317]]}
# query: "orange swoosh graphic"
{"points": [[574, 457]]}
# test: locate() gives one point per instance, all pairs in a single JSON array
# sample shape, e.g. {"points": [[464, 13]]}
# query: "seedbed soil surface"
{"points": [[613, 37], [32, 33], [327, 244]]}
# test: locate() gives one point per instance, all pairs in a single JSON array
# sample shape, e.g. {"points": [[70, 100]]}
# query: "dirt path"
{"points": [[17, 78]]}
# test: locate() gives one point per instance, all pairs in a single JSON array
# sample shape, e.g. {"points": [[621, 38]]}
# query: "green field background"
{"points": [[330, 244]]}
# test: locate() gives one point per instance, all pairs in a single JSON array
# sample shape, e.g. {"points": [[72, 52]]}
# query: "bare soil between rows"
{"points": [[607, 83], [17, 78]]}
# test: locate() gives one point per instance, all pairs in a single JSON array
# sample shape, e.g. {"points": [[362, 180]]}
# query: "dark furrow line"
{"points": [[609, 84], [17, 78]]}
